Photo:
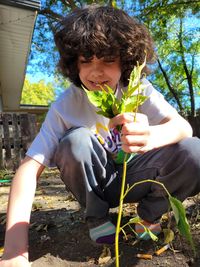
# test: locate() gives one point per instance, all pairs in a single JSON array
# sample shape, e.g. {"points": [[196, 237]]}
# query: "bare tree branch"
{"points": [[51, 14], [185, 67], [165, 5], [170, 87]]}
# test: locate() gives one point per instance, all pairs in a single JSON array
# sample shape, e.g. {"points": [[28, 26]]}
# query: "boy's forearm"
{"points": [[169, 132], [19, 209], [16, 241]]}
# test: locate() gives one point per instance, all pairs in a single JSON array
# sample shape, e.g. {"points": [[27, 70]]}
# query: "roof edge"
{"points": [[25, 4]]}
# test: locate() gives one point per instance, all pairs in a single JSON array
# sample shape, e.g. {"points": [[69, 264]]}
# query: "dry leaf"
{"points": [[42, 227], [3, 220], [105, 256]]}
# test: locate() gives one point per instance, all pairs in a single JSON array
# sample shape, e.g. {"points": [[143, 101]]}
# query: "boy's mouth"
{"points": [[99, 83]]}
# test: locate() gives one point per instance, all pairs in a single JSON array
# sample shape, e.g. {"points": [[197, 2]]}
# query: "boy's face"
{"points": [[96, 72]]}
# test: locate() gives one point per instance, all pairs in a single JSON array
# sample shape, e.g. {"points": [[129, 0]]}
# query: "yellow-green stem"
{"points": [[146, 181], [122, 196], [120, 213]]}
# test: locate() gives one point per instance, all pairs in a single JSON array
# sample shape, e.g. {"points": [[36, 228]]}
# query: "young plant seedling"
{"points": [[109, 106]]}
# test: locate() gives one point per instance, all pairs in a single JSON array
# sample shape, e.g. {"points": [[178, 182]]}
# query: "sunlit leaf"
{"points": [[133, 102], [136, 219], [94, 97], [108, 103], [181, 220], [152, 235]]}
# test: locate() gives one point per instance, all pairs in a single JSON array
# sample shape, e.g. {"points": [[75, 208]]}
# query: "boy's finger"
{"points": [[120, 119], [134, 149]]}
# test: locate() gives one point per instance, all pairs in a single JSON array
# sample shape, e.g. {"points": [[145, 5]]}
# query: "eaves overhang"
{"points": [[25, 4], [17, 20]]}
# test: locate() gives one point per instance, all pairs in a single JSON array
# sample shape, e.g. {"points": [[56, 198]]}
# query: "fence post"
{"points": [[17, 132]]}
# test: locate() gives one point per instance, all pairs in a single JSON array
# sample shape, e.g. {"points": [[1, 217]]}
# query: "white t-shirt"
{"points": [[73, 109]]}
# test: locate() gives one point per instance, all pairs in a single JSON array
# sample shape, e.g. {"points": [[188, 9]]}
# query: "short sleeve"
{"points": [[155, 107], [43, 147]]}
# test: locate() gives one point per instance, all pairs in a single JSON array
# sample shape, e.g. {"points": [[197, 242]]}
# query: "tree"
{"points": [[38, 93], [178, 64], [177, 45]]}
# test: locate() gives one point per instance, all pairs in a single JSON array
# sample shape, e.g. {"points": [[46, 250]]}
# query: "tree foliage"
{"points": [[175, 29], [38, 93]]}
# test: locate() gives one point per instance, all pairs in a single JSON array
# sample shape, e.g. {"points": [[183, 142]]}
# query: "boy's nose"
{"points": [[97, 74], [97, 70]]}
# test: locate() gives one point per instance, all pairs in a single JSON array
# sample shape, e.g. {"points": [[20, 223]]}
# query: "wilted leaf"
{"points": [[168, 236]]}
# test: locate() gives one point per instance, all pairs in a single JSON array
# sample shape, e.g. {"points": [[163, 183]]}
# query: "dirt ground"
{"points": [[59, 236]]}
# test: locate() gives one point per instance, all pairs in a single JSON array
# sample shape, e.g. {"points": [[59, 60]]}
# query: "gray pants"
{"points": [[90, 174]]}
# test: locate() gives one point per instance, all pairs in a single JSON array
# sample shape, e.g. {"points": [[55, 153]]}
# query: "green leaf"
{"points": [[108, 103], [153, 236], [120, 157], [181, 220], [95, 97], [116, 107], [133, 102], [136, 219], [105, 114], [135, 76]]}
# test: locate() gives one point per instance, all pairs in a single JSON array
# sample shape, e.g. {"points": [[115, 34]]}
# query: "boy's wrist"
{"points": [[13, 253]]}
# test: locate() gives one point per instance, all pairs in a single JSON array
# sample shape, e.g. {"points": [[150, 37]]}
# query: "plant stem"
{"points": [[118, 229], [122, 196], [146, 181]]}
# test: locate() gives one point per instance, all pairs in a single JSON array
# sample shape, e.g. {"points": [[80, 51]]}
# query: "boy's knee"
{"points": [[76, 135], [74, 144]]}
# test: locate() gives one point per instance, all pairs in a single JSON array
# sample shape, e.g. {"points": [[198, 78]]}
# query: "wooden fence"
{"points": [[17, 130]]}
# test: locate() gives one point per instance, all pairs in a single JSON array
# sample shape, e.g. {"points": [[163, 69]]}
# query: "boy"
{"points": [[101, 45]]}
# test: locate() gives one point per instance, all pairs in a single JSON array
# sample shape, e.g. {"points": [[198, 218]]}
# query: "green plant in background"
{"points": [[109, 106], [6, 176]]}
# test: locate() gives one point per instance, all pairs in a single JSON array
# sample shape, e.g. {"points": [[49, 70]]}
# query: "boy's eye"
{"points": [[84, 61], [109, 60]]}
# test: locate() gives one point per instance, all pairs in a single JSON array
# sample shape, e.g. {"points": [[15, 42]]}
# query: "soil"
{"points": [[59, 236]]}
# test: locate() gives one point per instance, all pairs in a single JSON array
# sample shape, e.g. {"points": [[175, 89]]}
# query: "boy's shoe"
{"points": [[145, 230], [102, 231]]}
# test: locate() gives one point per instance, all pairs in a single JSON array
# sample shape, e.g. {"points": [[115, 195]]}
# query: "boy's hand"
{"points": [[135, 132], [19, 261]]}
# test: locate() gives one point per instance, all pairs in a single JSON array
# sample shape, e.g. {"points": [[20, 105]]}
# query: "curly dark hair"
{"points": [[102, 31]]}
